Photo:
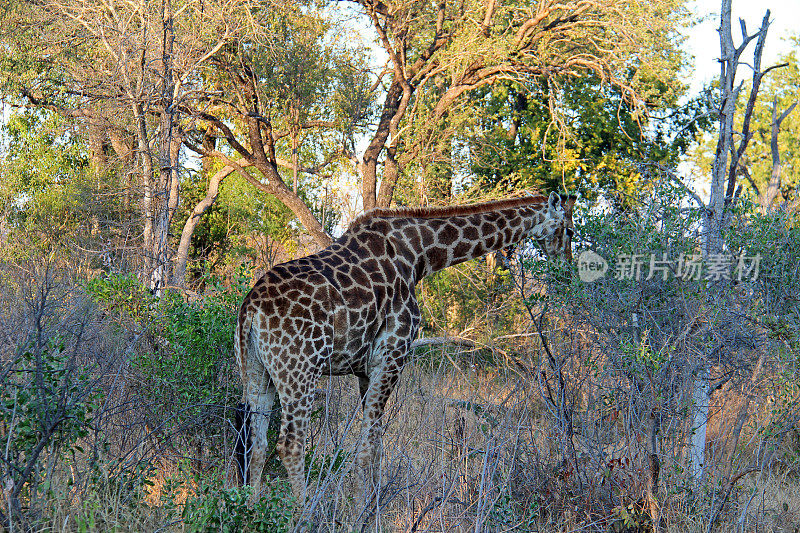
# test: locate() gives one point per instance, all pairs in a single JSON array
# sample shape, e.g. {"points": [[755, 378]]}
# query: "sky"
{"points": [[703, 39]]}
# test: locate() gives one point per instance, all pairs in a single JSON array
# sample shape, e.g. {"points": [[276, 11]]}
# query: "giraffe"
{"points": [[351, 309]]}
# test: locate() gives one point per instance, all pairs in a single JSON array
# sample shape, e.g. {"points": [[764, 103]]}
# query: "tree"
{"points": [[45, 182], [240, 223], [439, 53], [772, 174], [591, 140], [274, 92], [717, 213], [300, 87], [122, 70]]}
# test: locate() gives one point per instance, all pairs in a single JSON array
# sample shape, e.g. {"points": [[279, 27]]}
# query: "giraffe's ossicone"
{"points": [[351, 309]]}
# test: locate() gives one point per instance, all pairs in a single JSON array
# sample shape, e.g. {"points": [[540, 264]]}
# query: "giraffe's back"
{"points": [[322, 311]]}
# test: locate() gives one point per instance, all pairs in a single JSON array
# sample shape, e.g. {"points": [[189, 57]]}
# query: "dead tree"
{"points": [[768, 197]]}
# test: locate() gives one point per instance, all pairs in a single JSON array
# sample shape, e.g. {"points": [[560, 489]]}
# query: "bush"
{"points": [[620, 359], [227, 510], [186, 372], [49, 391]]}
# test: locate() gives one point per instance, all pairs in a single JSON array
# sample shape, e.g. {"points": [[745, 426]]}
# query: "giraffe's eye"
{"points": [[570, 232]]}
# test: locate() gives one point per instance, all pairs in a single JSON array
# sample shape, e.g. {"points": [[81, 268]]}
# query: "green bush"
{"points": [[227, 510], [46, 407], [187, 369]]}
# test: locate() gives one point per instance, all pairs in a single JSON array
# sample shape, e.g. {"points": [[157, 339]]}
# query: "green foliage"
{"points": [[184, 376], [592, 140], [640, 307], [47, 404], [44, 180], [201, 335], [503, 515], [242, 222], [33, 403], [124, 294], [650, 335], [775, 237], [115, 488], [640, 358], [226, 510], [469, 296], [631, 518]]}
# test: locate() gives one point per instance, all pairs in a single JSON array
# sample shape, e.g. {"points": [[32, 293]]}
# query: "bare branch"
{"points": [[775, 180]]}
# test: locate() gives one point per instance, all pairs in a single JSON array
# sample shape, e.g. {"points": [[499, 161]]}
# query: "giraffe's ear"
{"points": [[568, 201], [553, 203]]}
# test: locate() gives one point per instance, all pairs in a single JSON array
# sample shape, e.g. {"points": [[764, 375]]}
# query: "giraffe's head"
{"points": [[557, 239]]}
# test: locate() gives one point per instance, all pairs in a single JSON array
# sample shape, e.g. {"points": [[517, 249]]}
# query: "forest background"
{"points": [[157, 157]]}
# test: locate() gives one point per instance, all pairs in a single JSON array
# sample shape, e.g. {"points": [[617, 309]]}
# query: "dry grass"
{"points": [[465, 449], [468, 449]]}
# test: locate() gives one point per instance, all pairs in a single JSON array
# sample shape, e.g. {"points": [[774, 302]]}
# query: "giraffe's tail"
{"points": [[243, 445], [240, 339], [242, 419]]}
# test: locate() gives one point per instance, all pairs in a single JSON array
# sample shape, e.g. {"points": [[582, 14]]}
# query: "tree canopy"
{"points": [[170, 99]]}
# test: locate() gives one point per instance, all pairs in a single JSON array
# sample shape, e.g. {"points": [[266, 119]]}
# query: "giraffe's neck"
{"points": [[436, 243]]}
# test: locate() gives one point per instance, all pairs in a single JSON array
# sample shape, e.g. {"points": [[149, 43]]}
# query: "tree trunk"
{"points": [[369, 161], [654, 469], [182, 255], [391, 173], [124, 151], [97, 156], [700, 400], [145, 163], [168, 153], [775, 180], [723, 193], [295, 135], [298, 207]]}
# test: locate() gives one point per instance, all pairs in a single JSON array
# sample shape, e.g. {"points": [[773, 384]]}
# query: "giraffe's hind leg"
{"points": [[261, 404], [295, 417]]}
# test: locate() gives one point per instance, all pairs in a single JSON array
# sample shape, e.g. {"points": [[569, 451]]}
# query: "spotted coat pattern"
{"points": [[351, 309]]}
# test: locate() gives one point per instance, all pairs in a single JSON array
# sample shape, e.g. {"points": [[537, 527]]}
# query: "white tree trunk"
{"points": [[723, 193], [697, 450]]}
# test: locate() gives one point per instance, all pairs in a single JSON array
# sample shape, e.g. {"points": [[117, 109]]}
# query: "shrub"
{"points": [[186, 371], [49, 391], [226, 510]]}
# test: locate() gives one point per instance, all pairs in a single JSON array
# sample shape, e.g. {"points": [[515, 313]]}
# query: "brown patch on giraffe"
{"points": [[470, 233], [427, 236], [462, 249], [376, 245], [411, 233], [448, 234], [372, 267], [359, 276], [437, 257], [343, 279]]}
